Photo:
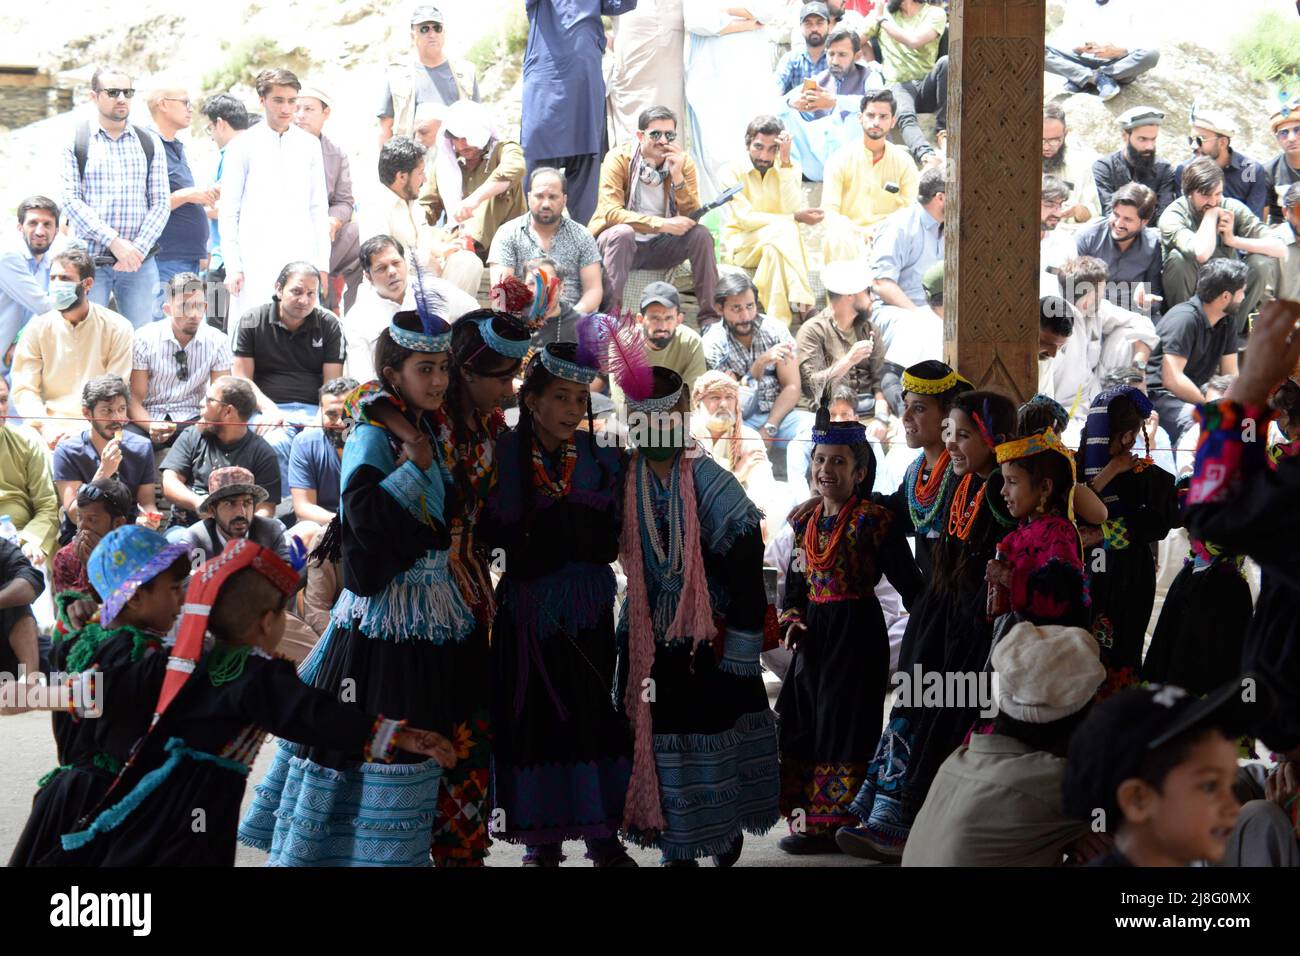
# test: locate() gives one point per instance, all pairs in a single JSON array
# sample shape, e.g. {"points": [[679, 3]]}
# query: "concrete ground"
{"points": [[27, 752]]}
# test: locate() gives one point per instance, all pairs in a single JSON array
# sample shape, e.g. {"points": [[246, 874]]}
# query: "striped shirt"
{"points": [[110, 201], [154, 351]]}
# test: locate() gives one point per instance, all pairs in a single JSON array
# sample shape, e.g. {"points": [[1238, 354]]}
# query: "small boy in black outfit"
{"points": [[1154, 766]]}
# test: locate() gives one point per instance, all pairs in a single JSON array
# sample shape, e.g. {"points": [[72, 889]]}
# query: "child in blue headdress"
{"points": [[139, 579], [831, 699], [1142, 507]]}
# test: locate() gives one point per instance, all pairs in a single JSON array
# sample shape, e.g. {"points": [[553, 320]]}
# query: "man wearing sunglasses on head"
{"points": [[173, 361], [1283, 170], [1244, 178], [429, 76], [116, 197], [648, 190]]}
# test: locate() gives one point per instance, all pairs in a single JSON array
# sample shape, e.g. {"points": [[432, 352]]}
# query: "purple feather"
{"points": [[430, 305], [628, 363], [594, 332]]}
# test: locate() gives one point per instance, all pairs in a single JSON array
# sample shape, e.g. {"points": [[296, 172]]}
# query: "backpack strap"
{"points": [[81, 150]]}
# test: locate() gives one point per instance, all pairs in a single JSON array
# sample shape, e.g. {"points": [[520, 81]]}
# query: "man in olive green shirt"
{"points": [[909, 32], [26, 487], [1202, 225], [672, 344], [478, 176]]}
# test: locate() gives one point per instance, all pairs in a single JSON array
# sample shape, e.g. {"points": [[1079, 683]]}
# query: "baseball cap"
{"points": [[814, 9], [1140, 116], [425, 13], [932, 281], [663, 293], [1116, 738]]}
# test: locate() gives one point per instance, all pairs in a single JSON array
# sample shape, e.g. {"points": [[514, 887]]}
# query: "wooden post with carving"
{"points": [[991, 217]]}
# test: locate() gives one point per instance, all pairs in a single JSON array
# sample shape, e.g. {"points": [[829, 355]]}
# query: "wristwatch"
{"points": [[769, 430]]}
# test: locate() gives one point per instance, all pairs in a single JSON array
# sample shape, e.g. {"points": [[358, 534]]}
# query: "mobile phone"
{"points": [[809, 85], [891, 187]]}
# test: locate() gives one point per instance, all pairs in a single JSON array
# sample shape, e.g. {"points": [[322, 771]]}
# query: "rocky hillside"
{"points": [[344, 46]]}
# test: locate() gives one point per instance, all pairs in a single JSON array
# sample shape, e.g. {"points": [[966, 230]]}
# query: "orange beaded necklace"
{"points": [[819, 558], [961, 518]]}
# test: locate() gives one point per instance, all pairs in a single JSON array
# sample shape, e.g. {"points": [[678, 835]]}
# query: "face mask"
{"points": [[64, 294], [658, 453]]}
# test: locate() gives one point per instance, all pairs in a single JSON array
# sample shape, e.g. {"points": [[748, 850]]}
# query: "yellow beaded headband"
{"points": [[931, 386], [1036, 444]]}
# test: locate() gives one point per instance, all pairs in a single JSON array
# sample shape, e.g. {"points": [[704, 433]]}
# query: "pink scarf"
{"points": [[694, 619]]}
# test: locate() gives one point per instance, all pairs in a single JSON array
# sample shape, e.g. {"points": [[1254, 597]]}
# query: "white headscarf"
{"points": [[472, 122]]}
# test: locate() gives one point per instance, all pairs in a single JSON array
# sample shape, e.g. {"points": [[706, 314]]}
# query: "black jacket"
{"points": [[1113, 171]]}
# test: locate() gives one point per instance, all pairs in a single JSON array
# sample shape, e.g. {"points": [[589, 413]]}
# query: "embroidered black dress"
{"points": [[831, 699]]}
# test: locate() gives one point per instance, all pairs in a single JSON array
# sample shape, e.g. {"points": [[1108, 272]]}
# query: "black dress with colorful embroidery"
{"points": [[920, 505], [1143, 508], [561, 753], [1244, 506], [948, 632], [1201, 633], [86, 769], [178, 803], [831, 698]]}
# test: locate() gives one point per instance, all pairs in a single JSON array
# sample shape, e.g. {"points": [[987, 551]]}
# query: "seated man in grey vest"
{"points": [[228, 512]]}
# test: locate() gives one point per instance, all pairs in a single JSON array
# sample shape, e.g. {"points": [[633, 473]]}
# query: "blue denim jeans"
{"points": [[166, 269], [135, 292], [794, 437], [296, 414]]}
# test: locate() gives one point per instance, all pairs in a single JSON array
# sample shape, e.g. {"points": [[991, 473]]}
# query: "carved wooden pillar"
{"points": [[995, 98]]}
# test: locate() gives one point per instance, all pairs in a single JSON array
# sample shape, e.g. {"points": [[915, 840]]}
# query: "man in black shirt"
{"points": [[1136, 161], [1196, 343], [1125, 241], [221, 438], [289, 348]]}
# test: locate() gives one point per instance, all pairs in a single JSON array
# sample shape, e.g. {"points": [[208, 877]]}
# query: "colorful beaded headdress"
{"points": [[1036, 444], [435, 334], [840, 433], [931, 386]]}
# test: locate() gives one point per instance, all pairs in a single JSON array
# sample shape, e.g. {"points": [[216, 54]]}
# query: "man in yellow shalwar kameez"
{"points": [[761, 224], [865, 183]]}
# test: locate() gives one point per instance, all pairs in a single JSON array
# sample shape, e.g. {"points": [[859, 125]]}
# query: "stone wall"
{"points": [[29, 99]]}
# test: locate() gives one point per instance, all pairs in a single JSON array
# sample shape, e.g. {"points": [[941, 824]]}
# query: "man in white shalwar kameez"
{"points": [[729, 80], [645, 68], [274, 206]]}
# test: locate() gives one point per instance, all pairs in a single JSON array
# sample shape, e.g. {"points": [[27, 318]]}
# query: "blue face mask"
{"points": [[64, 294]]}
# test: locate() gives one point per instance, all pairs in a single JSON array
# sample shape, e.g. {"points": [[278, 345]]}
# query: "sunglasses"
{"points": [[427, 27], [182, 365], [1289, 132], [172, 99], [666, 135], [114, 93]]}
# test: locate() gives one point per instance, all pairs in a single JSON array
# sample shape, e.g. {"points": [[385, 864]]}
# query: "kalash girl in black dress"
{"points": [[831, 699], [948, 633], [1142, 507]]}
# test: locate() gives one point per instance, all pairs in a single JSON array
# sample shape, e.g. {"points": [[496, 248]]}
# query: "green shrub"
{"points": [[508, 41], [1270, 49], [245, 58]]}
